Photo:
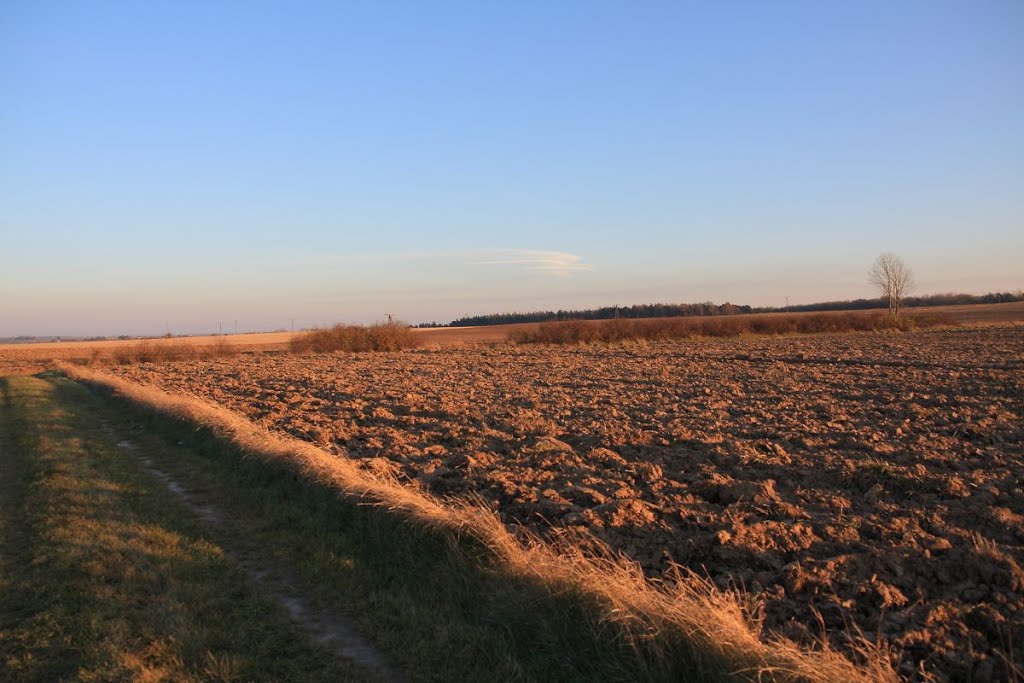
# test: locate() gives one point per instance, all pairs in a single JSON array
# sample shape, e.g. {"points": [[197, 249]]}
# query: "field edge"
{"points": [[658, 622]]}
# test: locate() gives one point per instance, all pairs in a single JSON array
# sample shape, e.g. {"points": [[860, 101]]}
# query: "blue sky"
{"points": [[177, 164]]}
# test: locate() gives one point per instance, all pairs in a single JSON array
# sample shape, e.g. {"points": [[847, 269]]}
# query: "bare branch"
{"points": [[893, 278]]}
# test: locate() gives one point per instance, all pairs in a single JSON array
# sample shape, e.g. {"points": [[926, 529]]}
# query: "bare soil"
{"points": [[864, 481]]}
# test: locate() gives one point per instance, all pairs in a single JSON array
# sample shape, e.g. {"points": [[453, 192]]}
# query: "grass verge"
{"points": [[448, 592], [103, 576]]}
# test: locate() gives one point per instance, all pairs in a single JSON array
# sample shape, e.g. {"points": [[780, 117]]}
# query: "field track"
{"points": [[112, 569]]}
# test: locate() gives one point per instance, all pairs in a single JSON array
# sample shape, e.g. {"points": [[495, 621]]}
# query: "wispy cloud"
{"points": [[554, 262], [558, 263]]}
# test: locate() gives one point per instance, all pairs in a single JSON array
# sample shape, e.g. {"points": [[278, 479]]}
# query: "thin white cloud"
{"points": [[558, 263], [555, 262]]}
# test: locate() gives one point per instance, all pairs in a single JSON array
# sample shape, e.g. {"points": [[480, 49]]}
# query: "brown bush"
{"points": [[608, 331], [147, 351], [393, 336]]}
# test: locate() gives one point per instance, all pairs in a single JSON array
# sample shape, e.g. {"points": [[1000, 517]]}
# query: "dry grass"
{"points": [[148, 352], [393, 336], [29, 359], [607, 331], [721, 627]]}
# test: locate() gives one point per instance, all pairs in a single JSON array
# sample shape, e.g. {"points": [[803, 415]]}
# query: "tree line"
{"points": [[946, 299], [606, 313], [712, 309]]}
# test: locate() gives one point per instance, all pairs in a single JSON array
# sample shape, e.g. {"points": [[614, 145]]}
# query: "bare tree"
{"points": [[893, 278]]}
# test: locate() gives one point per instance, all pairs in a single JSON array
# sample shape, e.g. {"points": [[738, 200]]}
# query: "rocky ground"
{"points": [[862, 481]]}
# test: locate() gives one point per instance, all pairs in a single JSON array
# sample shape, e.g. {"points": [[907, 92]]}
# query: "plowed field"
{"points": [[862, 481]]}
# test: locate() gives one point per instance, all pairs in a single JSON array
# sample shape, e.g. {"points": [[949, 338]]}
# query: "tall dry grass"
{"points": [[147, 351], [609, 331], [393, 336], [657, 617]]}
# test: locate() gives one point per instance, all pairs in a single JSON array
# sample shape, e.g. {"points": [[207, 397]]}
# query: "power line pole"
{"points": [[236, 327], [220, 327]]}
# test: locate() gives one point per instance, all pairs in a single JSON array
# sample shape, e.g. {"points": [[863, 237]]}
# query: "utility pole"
{"points": [[293, 323], [236, 327], [787, 302], [390, 321], [220, 326]]}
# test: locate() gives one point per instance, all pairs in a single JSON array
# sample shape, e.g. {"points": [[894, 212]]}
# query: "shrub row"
{"points": [[578, 331], [160, 352], [380, 337]]}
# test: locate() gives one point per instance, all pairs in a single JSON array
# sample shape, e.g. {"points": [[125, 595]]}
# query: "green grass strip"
{"points": [[105, 576]]}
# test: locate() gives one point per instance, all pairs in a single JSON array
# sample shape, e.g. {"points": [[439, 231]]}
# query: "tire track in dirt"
{"points": [[326, 627]]}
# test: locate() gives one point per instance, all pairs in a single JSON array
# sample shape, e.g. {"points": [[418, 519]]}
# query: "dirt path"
{"points": [[61, 430], [325, 626], [328, 628]]}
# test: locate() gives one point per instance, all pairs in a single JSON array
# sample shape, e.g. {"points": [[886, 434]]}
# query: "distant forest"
{"points": [[711, 309]]}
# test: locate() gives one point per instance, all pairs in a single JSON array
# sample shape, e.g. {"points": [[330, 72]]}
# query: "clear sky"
{"points": [[178, 164]]}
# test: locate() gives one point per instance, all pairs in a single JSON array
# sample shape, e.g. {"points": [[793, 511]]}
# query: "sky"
{"points": [[177, 166]]}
